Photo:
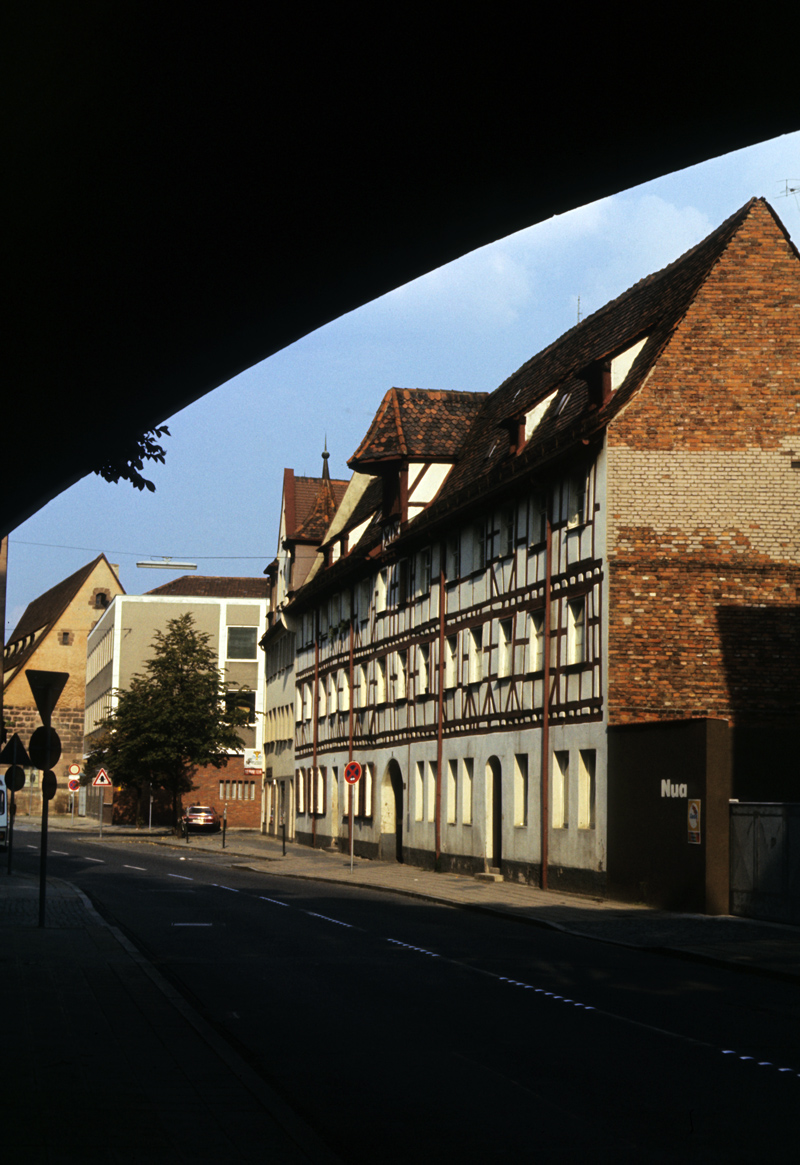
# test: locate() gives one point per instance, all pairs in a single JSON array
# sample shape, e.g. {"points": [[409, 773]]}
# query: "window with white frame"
{"points": [[587, 791], [479, 545], [380, 680], [505, 648], [452, 791], [308, 701], [453, 557], [400, 677], [364, 595], [475, 642], [344, 690], [507, 531], [576, 498], [560, 790], [300, 789], [332, 693], [360, 677], [380, 591], [521, 789], [451, 661], [430, 791], [423, 669], [419, 791], [535, 640], [576, 630], [424, 571], [467, 769], [537, 518]]}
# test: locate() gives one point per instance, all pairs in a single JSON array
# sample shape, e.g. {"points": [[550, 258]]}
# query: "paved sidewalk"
{"points": [[758, 947], [106, 1063]]}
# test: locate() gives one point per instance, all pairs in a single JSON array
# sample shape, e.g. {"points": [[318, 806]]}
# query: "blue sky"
{"points": [[467, 325]]}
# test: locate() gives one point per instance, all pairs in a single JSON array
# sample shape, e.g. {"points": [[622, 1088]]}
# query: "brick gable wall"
{"points": [[704, 503]]}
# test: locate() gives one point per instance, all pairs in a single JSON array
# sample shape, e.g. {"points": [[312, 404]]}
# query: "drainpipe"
{"points": [[352, 702], [545, 790], [440, 726], [315, 721]]}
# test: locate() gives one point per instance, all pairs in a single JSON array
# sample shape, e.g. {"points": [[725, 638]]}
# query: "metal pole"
{"points": [[43, 842], [284, 836], [102, 806], [150, 822], [352, 794], [224, 824]]}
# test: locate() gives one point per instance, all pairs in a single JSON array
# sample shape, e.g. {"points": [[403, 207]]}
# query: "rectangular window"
{"points": [[507, 530], [300, 790], [380, 680], [467, 766], [322, 616], [364, 592], [576, 631], [431, 790], [505, 648], [307, 701], [344, 690], [380, 592], [521, 789], [423, 669], [451, 661], [452, 790], [401, 582], [419, 792], [576, 499], [453, 558], [241, 701], [475, 655], [535, 641], [560, 790], [400, 675], [479, 546], [586, 788], [360, 676], [537, 518], [242, 642], [332, 693], [424, 571]]}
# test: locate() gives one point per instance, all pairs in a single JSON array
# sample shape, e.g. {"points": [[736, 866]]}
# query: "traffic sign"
{"points": [[74, 770], [73, 784], [46, 687], [14, 753], [352, 772], [15, 778], [49, 785], [102, 779], [44, 748]]}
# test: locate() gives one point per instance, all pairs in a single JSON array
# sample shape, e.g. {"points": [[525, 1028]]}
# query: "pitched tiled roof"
{"points": [[214, 587], [306, 492], [419, 424], [41, 614], [653, 307]]}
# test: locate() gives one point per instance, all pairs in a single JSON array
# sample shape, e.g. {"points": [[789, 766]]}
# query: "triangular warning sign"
{"points": [[46, 686], [102, 778], [14, 753]]}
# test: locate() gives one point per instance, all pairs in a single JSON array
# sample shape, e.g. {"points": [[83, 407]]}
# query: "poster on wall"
{"points": [[694, 822], [253, 764]]}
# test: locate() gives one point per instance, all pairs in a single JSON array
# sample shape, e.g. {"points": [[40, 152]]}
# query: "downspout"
{"points": [[545, 782], [350, 732], [440, 725], [315, 715]]}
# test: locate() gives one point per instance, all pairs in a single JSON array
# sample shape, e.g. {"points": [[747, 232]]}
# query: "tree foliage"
{"points": [[171, 720], [130, 461]]}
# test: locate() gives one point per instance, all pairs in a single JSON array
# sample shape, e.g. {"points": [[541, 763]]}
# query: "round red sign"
{"points": [[352, 772]]}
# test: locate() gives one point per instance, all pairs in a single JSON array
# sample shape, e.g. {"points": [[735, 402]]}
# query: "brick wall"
{"points": [[68, 723], [243, 811], [704, 503]]}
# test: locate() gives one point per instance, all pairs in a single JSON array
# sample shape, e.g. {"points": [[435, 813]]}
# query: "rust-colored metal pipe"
{"points": [[545, 781]]}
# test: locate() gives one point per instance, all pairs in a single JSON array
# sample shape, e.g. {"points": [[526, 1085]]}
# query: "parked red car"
{"points": [[201, 817]]}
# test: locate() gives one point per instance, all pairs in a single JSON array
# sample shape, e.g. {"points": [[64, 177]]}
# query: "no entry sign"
{"points": [[352, 772]]}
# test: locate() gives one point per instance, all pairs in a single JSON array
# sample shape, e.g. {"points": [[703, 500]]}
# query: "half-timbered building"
{"points": [[514, 577]]}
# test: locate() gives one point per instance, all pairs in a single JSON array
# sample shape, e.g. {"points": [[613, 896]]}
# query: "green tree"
{"points": [[171, 720]]}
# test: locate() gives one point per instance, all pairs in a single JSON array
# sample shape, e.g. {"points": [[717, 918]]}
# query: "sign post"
{"points": [[352, 774], [101, 782], [44, 750], [14, 754]]}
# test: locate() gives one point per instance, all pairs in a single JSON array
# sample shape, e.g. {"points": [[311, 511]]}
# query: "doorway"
{"points": [[391, 839], [494, 812]]}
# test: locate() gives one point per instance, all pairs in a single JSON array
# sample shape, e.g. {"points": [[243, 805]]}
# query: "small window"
{"points": [[505, 648], [101, 600], [587, 794], [423, 669], [476, 655], [424, 571], [242, 642], [535, 641], [244, 701], [576, 631], [451, 661], [560, 790], [453, 558]]}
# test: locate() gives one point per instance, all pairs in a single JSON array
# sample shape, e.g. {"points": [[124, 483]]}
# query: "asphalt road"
{"points": [[404, 1031]]}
